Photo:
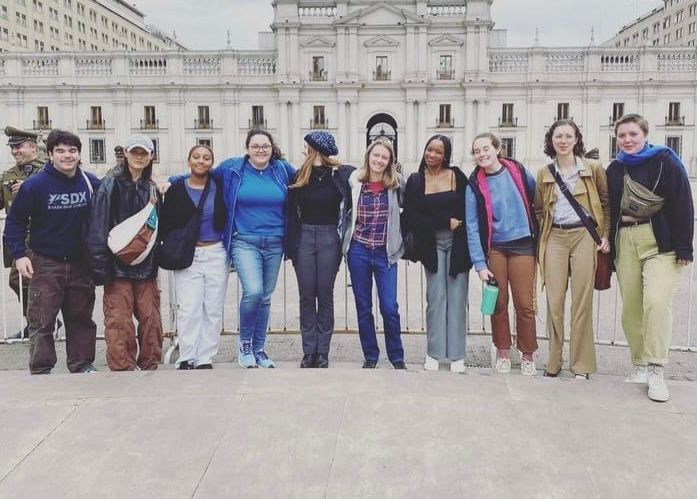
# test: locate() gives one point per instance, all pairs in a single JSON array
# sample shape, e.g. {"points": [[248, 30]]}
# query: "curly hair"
{"points": [[579, 148]]}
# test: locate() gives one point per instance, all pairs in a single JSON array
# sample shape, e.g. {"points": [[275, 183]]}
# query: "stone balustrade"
{"points": [[328, 11], [447, 10], [655, 62]]}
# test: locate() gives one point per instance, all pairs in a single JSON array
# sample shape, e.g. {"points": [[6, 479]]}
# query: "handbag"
{"points": [[179, 245], [638, 201], [602, 268], [132, 240]]}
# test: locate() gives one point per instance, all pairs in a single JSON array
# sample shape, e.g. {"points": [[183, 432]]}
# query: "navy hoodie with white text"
{"points": [[53, 208]]}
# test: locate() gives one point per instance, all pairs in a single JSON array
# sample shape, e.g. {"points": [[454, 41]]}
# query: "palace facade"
{"points": [[404, 69]]}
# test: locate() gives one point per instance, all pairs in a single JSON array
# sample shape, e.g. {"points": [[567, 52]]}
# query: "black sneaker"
{"points": [[204, 366], [185, 365], [370, 364], [399, 365], [89, 368]]}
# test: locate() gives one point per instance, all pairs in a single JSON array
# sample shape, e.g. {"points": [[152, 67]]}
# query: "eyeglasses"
{"points": [[257, 148]]}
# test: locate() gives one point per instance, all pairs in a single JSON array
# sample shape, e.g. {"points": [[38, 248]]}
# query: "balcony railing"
{"points": [[445, 123], [508, 122], [42, 125], [319, 124], [203, 124], [382, 75], [675, 121], [258, 123], [445, 74], [96, 125], [149, 125], [318, 75]]}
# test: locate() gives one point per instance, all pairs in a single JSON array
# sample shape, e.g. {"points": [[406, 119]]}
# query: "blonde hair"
{"points": [[305, 171], [390, 177]]}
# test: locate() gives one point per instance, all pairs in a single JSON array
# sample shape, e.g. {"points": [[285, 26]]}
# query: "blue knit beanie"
{"points": [[322, 142]]}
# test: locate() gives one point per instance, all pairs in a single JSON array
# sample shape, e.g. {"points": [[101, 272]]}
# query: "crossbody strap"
{"points": [[653, 189], [585, 219]]}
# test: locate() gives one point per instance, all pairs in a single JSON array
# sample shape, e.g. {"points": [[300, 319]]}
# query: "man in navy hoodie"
{"points": [[52, 206]]}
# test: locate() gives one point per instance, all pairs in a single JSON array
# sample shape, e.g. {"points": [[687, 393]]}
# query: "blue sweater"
{"points": [[510, 220], [53, 208], [261, 204]]}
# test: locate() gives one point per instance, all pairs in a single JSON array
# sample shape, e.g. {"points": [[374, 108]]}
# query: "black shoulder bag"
{"points": [[178, 246], [602, 269]]}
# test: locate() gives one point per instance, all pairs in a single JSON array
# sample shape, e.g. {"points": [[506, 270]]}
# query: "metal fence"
{"points": [[411, 297]]}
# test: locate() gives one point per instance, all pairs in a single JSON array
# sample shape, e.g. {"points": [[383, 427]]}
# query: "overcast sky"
{"points": [[203, 24]]}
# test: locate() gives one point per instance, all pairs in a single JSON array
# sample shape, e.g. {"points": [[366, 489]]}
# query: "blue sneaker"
{"points": [[246, 357], [263, 360]]}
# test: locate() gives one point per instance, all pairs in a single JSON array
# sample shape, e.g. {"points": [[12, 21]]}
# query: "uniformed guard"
{"points": [[24, 146]]}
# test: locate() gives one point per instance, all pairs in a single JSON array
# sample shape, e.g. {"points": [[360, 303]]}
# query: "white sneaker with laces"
{"points": [[457, 366], [431, 364], [503, 365], [638, 375], [658, 390], [527, 367]]}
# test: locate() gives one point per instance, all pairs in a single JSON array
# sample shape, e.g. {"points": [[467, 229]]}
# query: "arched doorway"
{"points": [[382, 125]]}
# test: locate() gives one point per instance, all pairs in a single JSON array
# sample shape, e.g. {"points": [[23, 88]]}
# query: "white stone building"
{"points": [[672, 24], [360, 68], [77, 25]]}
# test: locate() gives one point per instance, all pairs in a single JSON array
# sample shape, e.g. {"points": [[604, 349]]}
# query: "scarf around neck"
{"points": [[646, 153]]}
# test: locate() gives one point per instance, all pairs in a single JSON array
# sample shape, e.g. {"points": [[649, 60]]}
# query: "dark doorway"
{"points": [[382, 125]]}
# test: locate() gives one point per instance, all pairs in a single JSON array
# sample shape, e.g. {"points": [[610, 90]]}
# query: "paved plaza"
{"points": [[344, 432]]}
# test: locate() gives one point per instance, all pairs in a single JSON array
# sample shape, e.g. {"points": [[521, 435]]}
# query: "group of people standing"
{"points": [[253, 210]]}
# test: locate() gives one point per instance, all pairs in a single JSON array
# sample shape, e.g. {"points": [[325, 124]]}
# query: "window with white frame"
{"points": [[97, 151], [675, 143]]}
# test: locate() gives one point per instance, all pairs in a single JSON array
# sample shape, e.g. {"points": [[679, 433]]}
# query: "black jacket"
{"points": [[673, 225], [178, 208], [340, 176], [481, 205], [117, 198], [423, 224]]}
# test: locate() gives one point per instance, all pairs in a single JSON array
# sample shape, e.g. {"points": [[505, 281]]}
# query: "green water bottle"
{"points": [[490, 294]]}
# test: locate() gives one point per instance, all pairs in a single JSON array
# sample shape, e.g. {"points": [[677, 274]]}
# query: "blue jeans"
{"points": [[257, 260], [365, 264]]}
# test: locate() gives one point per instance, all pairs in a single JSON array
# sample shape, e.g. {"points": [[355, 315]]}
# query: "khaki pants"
{"points": [[123, 299], [519, 272], [648, 281], [570, 254]]}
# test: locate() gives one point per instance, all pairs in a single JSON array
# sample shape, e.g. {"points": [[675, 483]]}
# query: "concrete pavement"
{"points": [[343, 432]]}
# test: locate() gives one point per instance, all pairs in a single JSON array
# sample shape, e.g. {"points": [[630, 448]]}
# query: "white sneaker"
{"points": [[503, 365], [431, 364], [658, 390], [457, 366], [638, 375], [527, 367]]}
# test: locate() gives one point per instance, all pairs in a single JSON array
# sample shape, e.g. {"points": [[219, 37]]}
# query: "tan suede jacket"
{"points": [[591, 193]]}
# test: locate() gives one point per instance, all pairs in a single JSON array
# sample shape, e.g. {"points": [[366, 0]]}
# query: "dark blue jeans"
{"points": [[365, 264]]}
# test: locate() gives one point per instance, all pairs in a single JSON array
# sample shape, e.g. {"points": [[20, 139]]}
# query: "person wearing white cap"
{"points": [[127, 201]]}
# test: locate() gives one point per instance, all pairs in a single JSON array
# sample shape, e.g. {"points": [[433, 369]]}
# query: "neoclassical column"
{"points": [[284, 126], [295, 136], [354, 136], [342, 132], [410, 132], [421, 126]]}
